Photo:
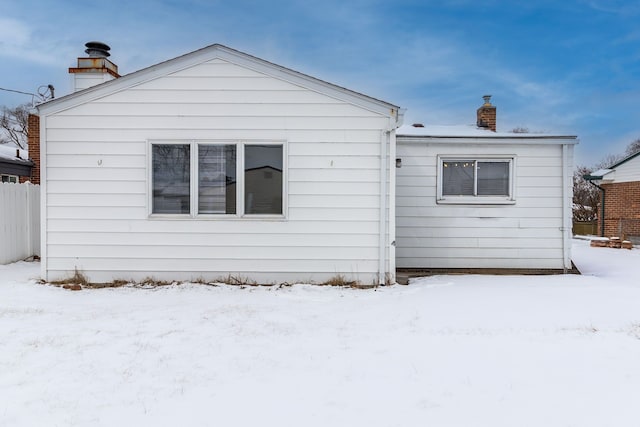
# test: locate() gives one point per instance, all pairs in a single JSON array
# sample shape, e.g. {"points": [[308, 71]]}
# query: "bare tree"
{"points": [[611, 159], [608, 161], [14, 125], [633, 148], [585, 196]]}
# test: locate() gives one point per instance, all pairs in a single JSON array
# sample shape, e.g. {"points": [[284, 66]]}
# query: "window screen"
{"points": [[493, 178], [216, 179], [457, 178]]}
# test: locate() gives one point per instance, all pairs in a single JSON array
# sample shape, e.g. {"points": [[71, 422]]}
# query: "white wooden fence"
{"points": [[19, 221]]}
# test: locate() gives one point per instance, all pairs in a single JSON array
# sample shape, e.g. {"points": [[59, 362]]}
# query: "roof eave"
{"points": [[626, 159], [218, 51], [592, 177], [533, 139]]}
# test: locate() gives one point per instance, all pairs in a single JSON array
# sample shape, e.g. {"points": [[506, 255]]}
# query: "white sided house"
{"points": [[212, 164], [470, 198], [218, 164]]}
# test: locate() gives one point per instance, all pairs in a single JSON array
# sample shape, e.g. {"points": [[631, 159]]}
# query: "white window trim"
{"points": [[194, 180], [478, 200], [16, 178], [193, 184]]}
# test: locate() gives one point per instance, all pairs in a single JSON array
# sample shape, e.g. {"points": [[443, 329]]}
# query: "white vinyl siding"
{"points": [[525, 234], [97, 189], [629, 171]]}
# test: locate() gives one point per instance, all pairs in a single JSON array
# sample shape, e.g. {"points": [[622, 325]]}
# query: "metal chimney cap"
{"points": [[97, 49]]}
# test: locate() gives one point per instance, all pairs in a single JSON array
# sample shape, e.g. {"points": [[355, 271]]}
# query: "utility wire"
{"points": [[18, 91], [42, 96]]}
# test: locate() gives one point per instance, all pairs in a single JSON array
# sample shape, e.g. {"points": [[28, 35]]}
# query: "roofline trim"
{"points": [[16, 161], [218, 51], [534, 139], [626, 159]]}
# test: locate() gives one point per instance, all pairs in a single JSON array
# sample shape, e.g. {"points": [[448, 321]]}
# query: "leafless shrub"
{"points": [[77, 279], [237, 280], [339, 280]]}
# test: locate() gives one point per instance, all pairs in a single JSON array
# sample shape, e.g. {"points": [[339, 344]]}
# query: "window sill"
{"points": [[476, 201], [179, 217]]}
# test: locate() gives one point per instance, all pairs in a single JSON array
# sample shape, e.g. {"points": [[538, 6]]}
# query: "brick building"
{"points": [[619, 198]]}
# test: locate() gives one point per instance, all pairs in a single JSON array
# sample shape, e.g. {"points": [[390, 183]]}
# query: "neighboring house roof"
{"points": [[218, 51], [608, 174], [597, 175], [625, 160], [11, 164], [9, 152], [472, 132]]}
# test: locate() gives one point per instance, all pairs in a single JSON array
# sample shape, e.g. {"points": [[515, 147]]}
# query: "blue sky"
{"points": [[569, 66]]}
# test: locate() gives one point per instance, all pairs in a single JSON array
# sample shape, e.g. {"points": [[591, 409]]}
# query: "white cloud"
{"points": [[19, 40], [621, 7], [14, 35]]}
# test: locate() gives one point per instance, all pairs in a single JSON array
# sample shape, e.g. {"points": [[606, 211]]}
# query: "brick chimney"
{"points": [[487, 114], [94, 69], [33, 135]]}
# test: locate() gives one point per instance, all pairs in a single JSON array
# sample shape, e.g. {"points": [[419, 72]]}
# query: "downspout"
{"points": [[387, 198], [565, 210], [44, 256], [382, 247]]}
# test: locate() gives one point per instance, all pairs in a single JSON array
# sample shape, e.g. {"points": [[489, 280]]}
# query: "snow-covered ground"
{"points": [[443, 351]]}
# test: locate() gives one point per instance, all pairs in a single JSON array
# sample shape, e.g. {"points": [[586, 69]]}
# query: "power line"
{"points": [[45, 93], [18, 91]]}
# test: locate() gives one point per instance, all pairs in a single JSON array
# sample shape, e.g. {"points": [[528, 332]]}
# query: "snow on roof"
{"points": [[8, 151], [601, 172], [442, 130], [467, 131]]}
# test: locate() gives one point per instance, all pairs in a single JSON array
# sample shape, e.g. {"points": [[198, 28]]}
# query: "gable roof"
{"points": [[600, 173], [218, 51], [625, 160]]}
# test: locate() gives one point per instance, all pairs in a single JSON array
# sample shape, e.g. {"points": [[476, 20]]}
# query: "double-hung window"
{"points": [[476, 180], [215, 179]]}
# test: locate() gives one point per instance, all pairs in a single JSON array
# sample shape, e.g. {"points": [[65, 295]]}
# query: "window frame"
{"points": [[477, 199], [240, 180], [11, 179], [150, 179]]}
